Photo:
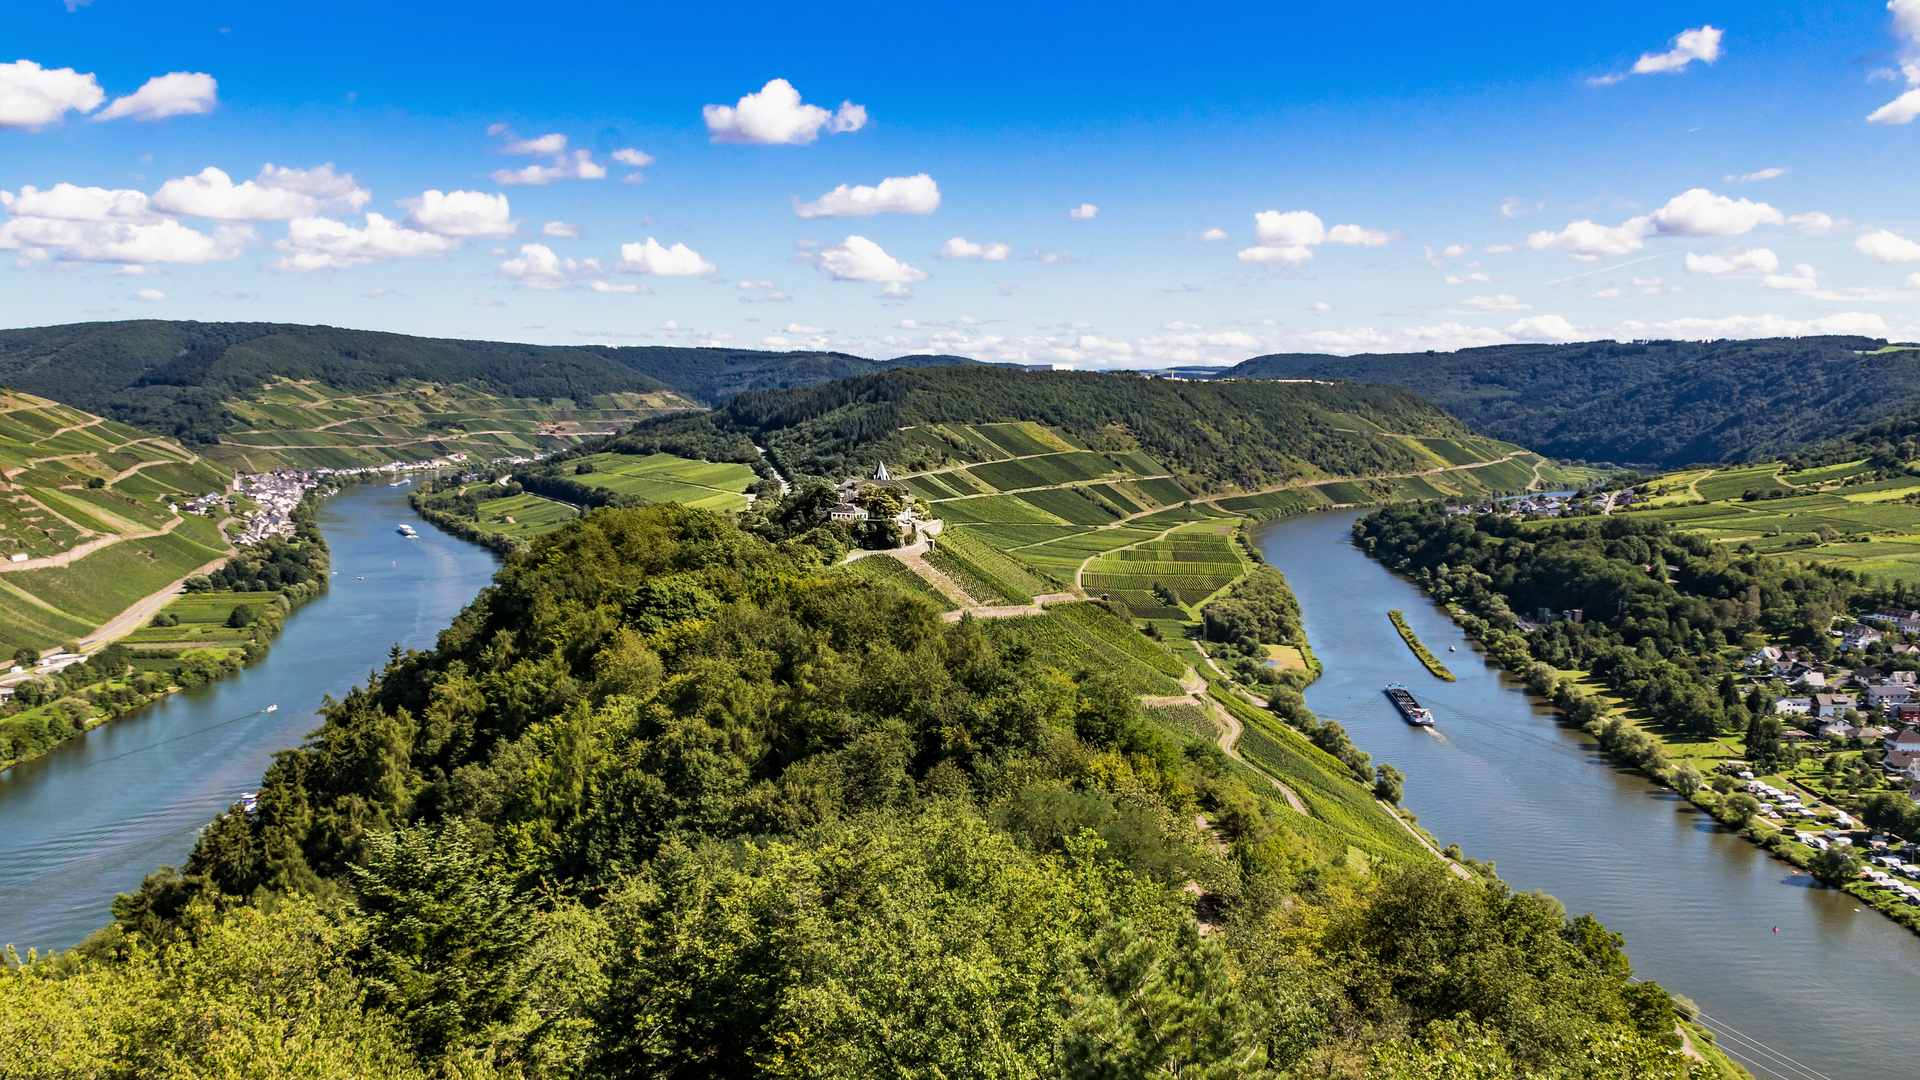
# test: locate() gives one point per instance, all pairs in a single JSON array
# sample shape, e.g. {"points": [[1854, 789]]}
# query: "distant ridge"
{"points": [[172, 377], [1656, 404]]}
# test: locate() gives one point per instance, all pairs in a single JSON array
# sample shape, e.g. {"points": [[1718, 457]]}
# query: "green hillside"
{"points": [[1659, 404], [670, 800]]}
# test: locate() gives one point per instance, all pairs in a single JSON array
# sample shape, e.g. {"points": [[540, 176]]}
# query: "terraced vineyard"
{"points": [[87, 509], [666, 478], [1837, 515], [304, 425]]}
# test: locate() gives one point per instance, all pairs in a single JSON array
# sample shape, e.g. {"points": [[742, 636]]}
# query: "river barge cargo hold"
{"points": [[1409, 708]]}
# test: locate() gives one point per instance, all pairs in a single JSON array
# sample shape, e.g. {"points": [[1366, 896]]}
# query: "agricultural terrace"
{"points": [[666, 478], [90, 504], [1849, 515], [308, 425]]}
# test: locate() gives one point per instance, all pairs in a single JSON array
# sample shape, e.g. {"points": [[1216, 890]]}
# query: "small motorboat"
{"points": [[273, 708], [1452, 649], [249, 802], [407, 531]]}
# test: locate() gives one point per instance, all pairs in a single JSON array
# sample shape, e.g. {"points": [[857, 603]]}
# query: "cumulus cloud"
{"points": [[1291, 236], [1906, 26], [775, 115], [1804, 279], [1354, 234], [317, 245], [539, 268], [609, 287], [630, 156], [860, 259], [1517, 207], [578, 165], [564, 229], [1696, 212], [277, 194], [1887, 247], [650, 258], [1086, 211], [1473, 277], [459, 213], [1752, 177], [179, 93], [32, 97], [544, 146], [150, 294], [1702, 44], [1546, 328], [916, 194], [1755, 261], [109, 225], [1699, 212], [1213, 234], [1815, 223], [962, 248], [1502, 302]]}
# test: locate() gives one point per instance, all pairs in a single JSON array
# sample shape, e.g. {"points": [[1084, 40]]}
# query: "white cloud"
{"points": [[179, 93], [1086, 211], [1214, 234], [539, 268], [1517, 207], [630, 156], [1502, 302], [576, 166], [1753, 326], [1701, 44], [1803, 279], [1755, 261], [1699, 212], [860, 259], [1322, 306], [1354, 234], [1589, 242], [608, 287], [109, 225], [1284, 237], [316, 245], [650, 258], [1546, 328], [1183, 327], [1815, 223], [1752, 177], [796, 328], [753, 285], [962, 248], [459, 213], [544, 146], [32, 97], [1906, 24], [277, 194], [1476, 277], [149, 294], [1888, 247], [916, 194], [775, 116], [561, 228]]}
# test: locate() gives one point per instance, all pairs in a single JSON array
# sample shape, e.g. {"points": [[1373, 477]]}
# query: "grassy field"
{"points": [[666, 478]]}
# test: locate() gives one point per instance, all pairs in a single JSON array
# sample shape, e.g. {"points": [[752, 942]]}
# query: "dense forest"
{"points": [[1658, 404], [172, 377], [1212, 434], [669, 800]]}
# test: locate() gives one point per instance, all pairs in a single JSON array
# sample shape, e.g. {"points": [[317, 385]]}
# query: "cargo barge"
{"points": [[1412, 710]]}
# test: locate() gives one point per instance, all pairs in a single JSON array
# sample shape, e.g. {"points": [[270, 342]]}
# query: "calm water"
{"points": [[1835, 988], [98, 814]]}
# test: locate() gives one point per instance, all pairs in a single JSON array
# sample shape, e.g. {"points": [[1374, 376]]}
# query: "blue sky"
{"points": [[1386, 176]]}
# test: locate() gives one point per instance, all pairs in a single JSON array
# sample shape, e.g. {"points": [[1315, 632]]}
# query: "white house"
{"points": [[1907, 740], [1889, 694], [1834, 704], [1793, 706], [1859, 636]]}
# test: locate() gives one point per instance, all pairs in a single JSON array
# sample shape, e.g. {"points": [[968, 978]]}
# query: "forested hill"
{"points": [[172, 377], [670, 800], [1661, 404], [1249, 433]]}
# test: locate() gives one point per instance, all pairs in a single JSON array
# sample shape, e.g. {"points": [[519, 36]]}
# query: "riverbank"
{"points": [[200, 633]]}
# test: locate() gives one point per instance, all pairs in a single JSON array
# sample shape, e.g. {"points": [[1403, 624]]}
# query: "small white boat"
{"points": [[273, 708], [249, 802], [407, 531], [1452, 649]]}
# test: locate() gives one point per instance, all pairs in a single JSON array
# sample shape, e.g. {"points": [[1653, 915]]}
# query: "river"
{"points": [[100, 812], [1834, 988]]}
